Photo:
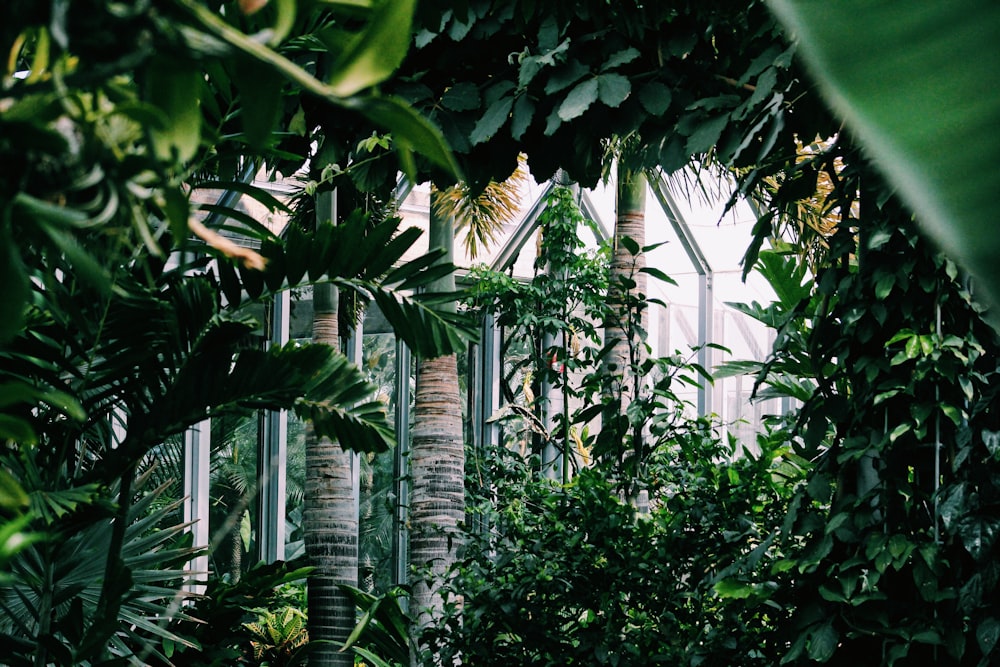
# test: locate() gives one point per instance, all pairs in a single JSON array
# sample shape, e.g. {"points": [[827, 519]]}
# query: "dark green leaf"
{"points": [[654, 97], [578, 100], [491, 122], [612, 89], [823, 642], [461, 97]]}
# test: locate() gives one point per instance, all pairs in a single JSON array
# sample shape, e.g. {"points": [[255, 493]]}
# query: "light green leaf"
{"points": [[578, 100], [408, 128], [916, 82], [172, 86], [728, 588], [377, 52]]}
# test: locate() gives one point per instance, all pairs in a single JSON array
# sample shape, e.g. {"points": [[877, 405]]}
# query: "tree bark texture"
{"points": [[437, 464], [624, 324], [330, 520]]}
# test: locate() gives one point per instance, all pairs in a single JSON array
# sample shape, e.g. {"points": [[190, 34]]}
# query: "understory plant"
{"points": [[572, 575]]}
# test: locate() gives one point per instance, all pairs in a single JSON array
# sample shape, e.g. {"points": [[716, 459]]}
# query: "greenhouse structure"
{"points": [[697, 242]]}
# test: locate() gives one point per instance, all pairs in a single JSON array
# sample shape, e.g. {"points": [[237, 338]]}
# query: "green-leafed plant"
{"points": [[572, 575], [382, 635], [216, 629], [56, 583], [276, 636]]}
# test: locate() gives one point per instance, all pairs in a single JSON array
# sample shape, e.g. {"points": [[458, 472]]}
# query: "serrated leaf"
{"points": [[578, 100], [623, 57], [706, 134], [565, 76], [612, 89], [492, 121]]}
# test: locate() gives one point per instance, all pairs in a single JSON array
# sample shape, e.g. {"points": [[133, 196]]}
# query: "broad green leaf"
{"points": [[623, 57], [461, 97], [173, 87], [917, 84], [823, 642], [578, 100], [524, 111], [492, 120], [706, 134], [260, 93], [612, 89], [408, 128], [979, 533], [987, 634], [655, 98], [728, 588], [377, 52]]}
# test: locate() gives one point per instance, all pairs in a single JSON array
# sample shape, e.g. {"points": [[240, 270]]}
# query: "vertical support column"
{"points": [[197, 454], [489, 383], [706, 325], [272, 459], [355, 353]]}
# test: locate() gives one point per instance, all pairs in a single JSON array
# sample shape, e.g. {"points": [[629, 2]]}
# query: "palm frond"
{"points": [[482, 215]]}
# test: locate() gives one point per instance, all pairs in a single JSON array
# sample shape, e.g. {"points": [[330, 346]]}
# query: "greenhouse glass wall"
{"points": [[244, 477]]}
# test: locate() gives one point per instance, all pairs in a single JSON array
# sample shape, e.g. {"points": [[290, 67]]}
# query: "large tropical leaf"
{"points": [[917, 83]]}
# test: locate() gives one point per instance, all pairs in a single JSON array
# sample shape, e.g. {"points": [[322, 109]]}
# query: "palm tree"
{"points": [[437, 458], [330, 519], [627, 317]]}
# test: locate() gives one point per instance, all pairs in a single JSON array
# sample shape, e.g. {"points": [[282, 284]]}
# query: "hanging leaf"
{"points": [[578, 100], [612, 89], [654, 97], [377, 52], [916, 83], [16, 290], [173, 87], [492, 120]]}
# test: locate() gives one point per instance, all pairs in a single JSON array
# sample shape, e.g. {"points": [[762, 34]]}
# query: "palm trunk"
{"points": [[329, 519], [628, 319], [437, 460]]}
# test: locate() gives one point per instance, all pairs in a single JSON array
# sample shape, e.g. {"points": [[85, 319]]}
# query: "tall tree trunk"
{"points": [[437, 461], [330, 518], [628, 319]]}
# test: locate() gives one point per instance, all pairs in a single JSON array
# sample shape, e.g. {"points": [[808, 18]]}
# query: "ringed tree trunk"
{"points": [[437, 462], [330, 519], [628, 319]]}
